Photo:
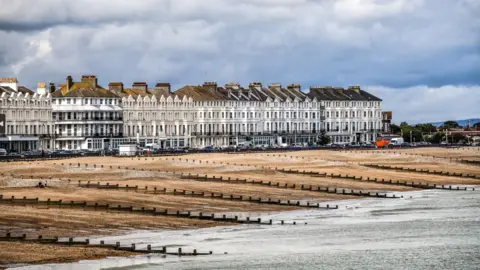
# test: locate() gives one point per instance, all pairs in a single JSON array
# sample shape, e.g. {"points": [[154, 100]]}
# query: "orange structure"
{"points": [[382, 142]]}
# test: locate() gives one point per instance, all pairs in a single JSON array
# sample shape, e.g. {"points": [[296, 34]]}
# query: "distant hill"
{"points": [[462, 123]]}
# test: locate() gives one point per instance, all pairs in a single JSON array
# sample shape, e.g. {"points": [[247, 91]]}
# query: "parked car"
{"points": [[14, 154]]}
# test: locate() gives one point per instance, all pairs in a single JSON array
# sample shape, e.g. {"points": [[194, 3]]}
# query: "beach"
{"points": [[170, 173]]}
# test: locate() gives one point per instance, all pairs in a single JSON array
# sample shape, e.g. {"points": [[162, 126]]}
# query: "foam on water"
{"points": [[433, 229]]}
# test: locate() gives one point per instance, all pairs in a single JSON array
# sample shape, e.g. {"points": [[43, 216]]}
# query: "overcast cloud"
{"points": [[419, 56]]}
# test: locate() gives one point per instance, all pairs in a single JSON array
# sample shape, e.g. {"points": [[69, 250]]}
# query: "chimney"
{"points": [[10, 82], [232, 85], [41, 88], [355, 88], [116, 87], [165, 86], [275, 86], [91, 80], [210, 85], [338, 88], [294, 87], [69, 83], [255, 85], [51, 87], [140, 86]]}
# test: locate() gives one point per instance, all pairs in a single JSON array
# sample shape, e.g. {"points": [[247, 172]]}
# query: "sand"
{"points": [[19, 178]]}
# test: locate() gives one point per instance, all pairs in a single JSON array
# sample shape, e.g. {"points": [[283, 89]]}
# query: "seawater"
{"points": [[431, 230]]}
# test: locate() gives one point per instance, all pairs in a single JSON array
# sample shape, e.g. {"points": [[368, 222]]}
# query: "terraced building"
{"points": [[351, 114], [88, 116]]}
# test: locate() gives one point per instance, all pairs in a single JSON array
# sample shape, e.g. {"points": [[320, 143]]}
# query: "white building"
{"points": [[155, 116], [351, 115], [232, 114], [86, 115], [29, 125]]}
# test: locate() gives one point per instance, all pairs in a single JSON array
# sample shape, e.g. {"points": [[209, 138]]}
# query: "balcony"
{"points": [[89, 119], [104, 135]]}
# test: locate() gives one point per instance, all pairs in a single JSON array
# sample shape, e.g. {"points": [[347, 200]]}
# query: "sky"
{"points": [[422, 57]]}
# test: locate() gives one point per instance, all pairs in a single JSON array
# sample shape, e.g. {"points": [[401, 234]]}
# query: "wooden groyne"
{"points": [[39, 239], [313, 188], [375, 180], [424, 171], [95, 206], [221, 179], [202, 194]]}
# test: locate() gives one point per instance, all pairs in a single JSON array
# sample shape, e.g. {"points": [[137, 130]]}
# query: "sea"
{"points": [[428, 229]]}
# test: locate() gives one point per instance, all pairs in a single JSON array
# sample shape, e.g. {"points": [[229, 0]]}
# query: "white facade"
{"points": [[166, 121], [351, 115], [86, 116], [225, 116], [29, 125], [353, 121]]}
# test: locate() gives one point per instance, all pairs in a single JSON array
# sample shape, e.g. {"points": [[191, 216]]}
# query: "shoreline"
{"points": [[210, 237], [68, 222]]}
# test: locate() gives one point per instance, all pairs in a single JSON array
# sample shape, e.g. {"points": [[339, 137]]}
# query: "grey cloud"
{"points": [[397, 43], [430, 104]]}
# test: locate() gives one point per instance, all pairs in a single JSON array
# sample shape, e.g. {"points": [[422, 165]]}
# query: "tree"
{"points": [[426, 128], [416, 135], [323, 139], [476, 125], [437, 138], [457, 137], [394, 129], [450, 124]]}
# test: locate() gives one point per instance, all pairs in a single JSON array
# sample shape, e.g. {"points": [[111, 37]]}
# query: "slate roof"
{"points": [[21, 89], [83, 89], [201, 93], [6, 89], [231, 91], [25, 90], [331, 93], [148, 93]]}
